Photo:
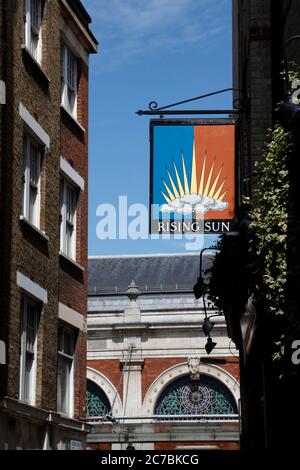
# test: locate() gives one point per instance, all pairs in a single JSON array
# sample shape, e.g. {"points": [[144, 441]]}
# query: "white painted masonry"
{"points": [[34, 127], [32, 288]]}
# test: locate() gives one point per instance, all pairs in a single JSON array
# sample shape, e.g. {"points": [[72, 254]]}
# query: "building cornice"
{"points": [[88, 36]]}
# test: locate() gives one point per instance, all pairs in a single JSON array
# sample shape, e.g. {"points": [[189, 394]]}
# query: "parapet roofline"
{"points": [[81, 12], [151, 255], [82, 20]]}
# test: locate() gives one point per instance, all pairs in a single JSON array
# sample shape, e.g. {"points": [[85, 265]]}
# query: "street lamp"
{"points": [[210, 345], [200, 290], [207, 326]]}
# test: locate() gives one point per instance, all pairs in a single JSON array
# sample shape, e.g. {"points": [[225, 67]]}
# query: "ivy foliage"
{"points": [[269, 221], [254, 265]]}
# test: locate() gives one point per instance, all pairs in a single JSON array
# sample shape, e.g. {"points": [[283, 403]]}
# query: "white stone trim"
{"points": [[174, 372], [39, 133], [32, 288], [79, 24], [72, 41], [108, 388], [71, 317], [72, 174]]}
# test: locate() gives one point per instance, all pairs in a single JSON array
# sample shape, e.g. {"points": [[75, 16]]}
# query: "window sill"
{"points": [[35, 69], [72, 121], [25, 222], [71, 261], [65, 415]]}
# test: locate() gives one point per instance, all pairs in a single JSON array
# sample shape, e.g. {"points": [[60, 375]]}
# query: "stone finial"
{"points": [[194, 367], [133, 292]]}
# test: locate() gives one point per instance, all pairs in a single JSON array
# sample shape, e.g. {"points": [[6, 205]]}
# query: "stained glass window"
{"points": [[97, 402], [206, 396]]}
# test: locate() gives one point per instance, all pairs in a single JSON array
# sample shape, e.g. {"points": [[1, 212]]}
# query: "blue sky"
{"points": [[162, 50]]}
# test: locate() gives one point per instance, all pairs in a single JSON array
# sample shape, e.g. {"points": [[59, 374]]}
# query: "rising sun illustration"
{"points": [[187, 197]]}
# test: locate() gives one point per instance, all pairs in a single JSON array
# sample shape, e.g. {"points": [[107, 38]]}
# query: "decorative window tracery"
{"points": [[97, 401], [207, 396]]}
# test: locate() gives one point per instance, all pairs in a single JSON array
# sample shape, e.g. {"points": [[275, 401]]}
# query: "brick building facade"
{"points": [[44, 52], [145, 350]]}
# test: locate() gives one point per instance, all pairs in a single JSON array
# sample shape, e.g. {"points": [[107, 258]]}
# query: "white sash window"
{"points": [[28, 357], [32, 161], [69, 80], [33, 36], [65, 388], [68, 197]]}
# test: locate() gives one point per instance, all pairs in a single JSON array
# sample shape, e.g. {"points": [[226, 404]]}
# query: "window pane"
{"points": [[71, 69], [68, 219], [71, 205], [66, 341], [28, 379], [63, 384], [31, 328], [30, 313], [34, 164], [36, 14], [25, 182], [71, 100], [34, 171], [32, 205], [34, 45], [69, 241], [69, 342], [70, 78], [61, 339]]}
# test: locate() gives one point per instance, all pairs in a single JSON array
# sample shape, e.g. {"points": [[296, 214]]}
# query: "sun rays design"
{"points": [[199, 195]]}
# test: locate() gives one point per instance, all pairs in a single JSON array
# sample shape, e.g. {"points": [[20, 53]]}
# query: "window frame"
{"points": [[32, 30], [66, 358], [28, 396], [65, 186], [28, 185], [66, 87]]}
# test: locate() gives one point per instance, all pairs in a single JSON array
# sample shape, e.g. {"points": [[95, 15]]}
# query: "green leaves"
{"points": [[256, 266], [269, 221]]}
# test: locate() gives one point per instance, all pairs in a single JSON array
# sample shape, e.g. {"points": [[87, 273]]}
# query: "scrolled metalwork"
{"points": [[97, 403], [153, 105], [238, 103], [206, 396]]}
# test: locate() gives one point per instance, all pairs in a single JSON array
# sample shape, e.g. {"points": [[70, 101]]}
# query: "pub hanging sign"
{"points": [[192, 186]]}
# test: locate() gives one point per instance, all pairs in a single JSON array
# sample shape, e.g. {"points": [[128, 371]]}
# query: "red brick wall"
{"points": [[73, 281], [154, 367], [102, 446], [173, 445], [233, 369], [110, 368], [74, 149]]}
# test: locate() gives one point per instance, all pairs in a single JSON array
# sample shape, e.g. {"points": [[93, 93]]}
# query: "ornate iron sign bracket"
{"points": [[164, 110]]}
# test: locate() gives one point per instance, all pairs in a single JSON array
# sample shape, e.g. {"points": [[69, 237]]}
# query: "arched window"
{"points": [[207, 396], [97, 403]]}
